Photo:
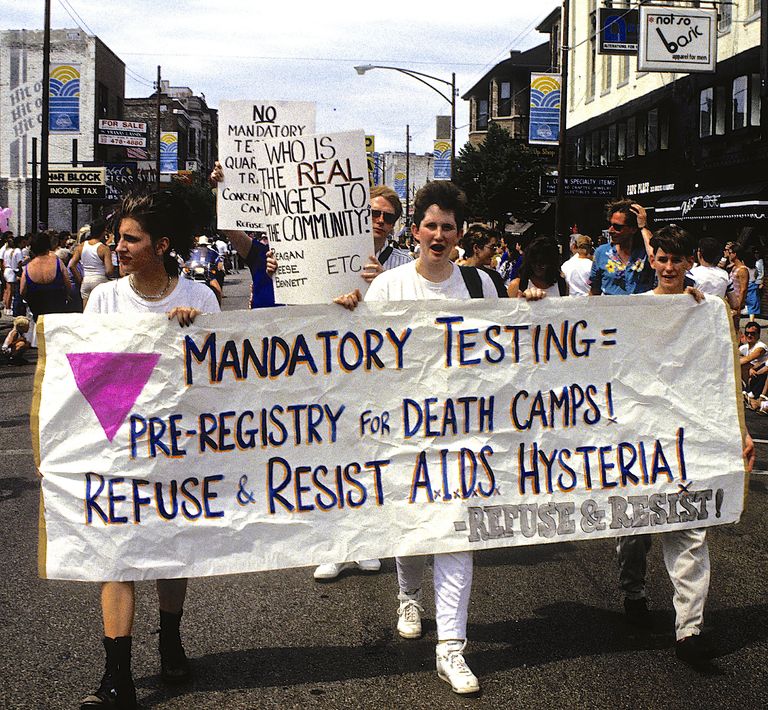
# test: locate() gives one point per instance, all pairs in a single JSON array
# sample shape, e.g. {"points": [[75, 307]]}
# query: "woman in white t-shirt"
{"points": [[153, 230]]}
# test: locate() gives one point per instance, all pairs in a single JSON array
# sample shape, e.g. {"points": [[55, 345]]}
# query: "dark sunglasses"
{"points": [[388, 217], [617, 227], [754, 333]]}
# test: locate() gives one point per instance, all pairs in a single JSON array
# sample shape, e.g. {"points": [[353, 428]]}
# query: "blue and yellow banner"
{"points": [[64, 96], [442, 167], [169, 152], [544, 125]]}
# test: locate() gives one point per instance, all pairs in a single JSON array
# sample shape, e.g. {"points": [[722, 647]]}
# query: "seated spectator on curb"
{"points": [[753, 356], [16, 343]]}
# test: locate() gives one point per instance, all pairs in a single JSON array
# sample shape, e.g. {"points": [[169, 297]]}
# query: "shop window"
{"points": [[720, 104], [604, 147], [505, 99], [739, 102], [588, 151], [707, 112], [642, 135], [664, 130], [621, 141], [631, 137], [596, 148], [612, 144], [652, 131], [754, 100], [580, 153]]}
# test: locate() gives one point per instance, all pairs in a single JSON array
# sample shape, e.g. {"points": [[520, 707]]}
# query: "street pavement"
{"points": [[546, 622]]}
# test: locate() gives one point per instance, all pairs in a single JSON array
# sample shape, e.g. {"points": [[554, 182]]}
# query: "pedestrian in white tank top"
{"points": [[95, 259]]}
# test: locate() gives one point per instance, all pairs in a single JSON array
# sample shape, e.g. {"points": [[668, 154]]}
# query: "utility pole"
{"points": [[764, 69], [157, 120], [407, 174], [45, 127], [562, 147]]}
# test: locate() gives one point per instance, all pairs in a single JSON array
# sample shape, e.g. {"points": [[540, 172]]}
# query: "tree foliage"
{"points": [[500, 176]]}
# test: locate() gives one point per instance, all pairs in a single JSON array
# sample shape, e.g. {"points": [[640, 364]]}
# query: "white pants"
{"points": [[453, 584], [686, 557]]}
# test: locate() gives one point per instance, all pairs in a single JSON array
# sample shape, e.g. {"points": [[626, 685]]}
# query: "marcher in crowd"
{"points": [[480, 248], [685, 551], [540, 271], [708, 276], [152, 230], [96, 260], [578, 268], [45, 283], [438, 218]]}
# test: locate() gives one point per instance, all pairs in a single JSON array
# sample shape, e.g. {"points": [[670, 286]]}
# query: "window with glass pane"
{"points": [[505, 98], [481, 119], [724, 15], [604, 146], [592, 51], [739, 103], [754, 100], [706, 112], [664, 129], [652, 130], [612, 143], [580, 153], [588, 151], [621, 141], [596, 148], [641, 134], [631, 137]]}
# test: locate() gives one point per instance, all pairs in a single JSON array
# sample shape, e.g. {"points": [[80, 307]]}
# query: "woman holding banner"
{"points": [[154, 231]]}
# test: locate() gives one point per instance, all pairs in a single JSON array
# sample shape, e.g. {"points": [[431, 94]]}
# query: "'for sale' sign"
{"points": [[677, 39]]}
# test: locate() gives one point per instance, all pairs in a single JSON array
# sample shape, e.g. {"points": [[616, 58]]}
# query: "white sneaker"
{"points": [[330, 570], [373, 565], [409, 613], [453, 669]]}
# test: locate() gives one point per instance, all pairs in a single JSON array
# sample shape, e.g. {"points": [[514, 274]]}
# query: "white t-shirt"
{"points": [[119, 297], [576, 271], [746, 350], [12, 259], [710, 279], [221, 247], [404, 283]]}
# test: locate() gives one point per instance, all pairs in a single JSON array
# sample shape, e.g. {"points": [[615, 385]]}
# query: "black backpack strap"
{"points": [[472, 281], [386, 252]]}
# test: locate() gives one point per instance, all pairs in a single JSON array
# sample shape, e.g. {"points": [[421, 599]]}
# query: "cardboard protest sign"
{"points": [[315, 205], [242, 125], [249, 442]]}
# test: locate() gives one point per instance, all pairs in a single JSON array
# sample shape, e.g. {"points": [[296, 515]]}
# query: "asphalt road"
{"points": [[546, 625]]}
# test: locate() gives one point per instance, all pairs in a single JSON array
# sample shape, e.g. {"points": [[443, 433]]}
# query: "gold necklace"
{"points": [[155, 297]]}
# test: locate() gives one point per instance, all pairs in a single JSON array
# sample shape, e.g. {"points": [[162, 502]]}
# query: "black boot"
{"points": [[116, 689], [174, 666]]}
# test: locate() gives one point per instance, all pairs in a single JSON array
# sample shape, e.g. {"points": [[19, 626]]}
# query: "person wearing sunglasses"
{"points": [[386, 209], [621, 268]]}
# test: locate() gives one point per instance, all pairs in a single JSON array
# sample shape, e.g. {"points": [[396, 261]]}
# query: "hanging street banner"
{"points": [[169, 152], [315, 208], [400, 184], [370, 157], [442, 166], [242, 126], [64, 98], [677, 39], [127, 133], [254, 442], [77, 183], [618, 30], [544, 122]]}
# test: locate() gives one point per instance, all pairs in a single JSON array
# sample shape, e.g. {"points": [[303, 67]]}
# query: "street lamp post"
{"points": [[422, 77]]}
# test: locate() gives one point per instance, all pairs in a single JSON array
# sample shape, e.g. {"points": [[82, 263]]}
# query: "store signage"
{"points": [[76, 183], [618, 31], [598, 187], [677, 39], [643, 188], [128, 133]]}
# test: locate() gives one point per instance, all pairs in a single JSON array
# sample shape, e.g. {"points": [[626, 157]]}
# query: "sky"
{"points": [[306, 51]]}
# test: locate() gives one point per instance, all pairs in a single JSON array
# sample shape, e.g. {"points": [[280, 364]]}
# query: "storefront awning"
{"points": [[738, 202]]}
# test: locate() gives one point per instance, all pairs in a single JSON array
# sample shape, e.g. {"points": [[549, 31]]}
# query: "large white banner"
{"points": [[251, 442], [242, 125], [315, 205]]}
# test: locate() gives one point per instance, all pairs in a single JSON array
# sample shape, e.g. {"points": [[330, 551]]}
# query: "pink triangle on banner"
{"points": [[112, 382]]}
